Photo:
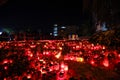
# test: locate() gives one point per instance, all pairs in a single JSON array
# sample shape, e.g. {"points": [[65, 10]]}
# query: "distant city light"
{"points": [[55, 31], [55, 25], [101, 27], [55, 34], [50, 33], [55, 28], [63, 27], [104, 27], [0, 33]]}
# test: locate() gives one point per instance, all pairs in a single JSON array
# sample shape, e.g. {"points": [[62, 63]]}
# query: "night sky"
{"points": [[40, 13]]}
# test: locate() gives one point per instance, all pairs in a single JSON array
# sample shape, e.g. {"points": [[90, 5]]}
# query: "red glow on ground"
{"points": [[29, 76], [5, 61], [106, 63], [5, 67], [92, 62]]}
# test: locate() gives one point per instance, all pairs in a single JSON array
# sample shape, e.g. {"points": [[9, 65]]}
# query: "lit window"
{"points": [[55, 34], [55, 28], [63, 27]]}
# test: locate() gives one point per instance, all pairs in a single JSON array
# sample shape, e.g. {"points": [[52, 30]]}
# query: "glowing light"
{"points": [[92, 62], [92, 45], [50, 69], [38, 58], [45, 46], [43, 72], [55, 25], [106, 63], [55, 34], [5, 61], [28, 76], [5, 67], [0, 46], [119, 55], [31, 55], [11, 61], [63, 27], [60, 48], [58, 55], [44, 62], [71, 58], [33, 46], [41, 60], [103, 47], [52, 47], [51, 62], [5, 79], [56, 67], [0, 33], [77, 47], [19, 44], [62, 65], [79, 59], [73, 47], [66, 68], [44, 53], [96, 56], [80, 52], [28, 52], [47, 53], [62, 70]]}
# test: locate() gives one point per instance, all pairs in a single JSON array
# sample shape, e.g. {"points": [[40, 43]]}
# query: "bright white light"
{"points": [[63, 27], [0, 33], [50, 33], [55, 34]]}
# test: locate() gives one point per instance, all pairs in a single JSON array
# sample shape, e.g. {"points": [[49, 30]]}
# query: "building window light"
{"points": [[0, 33]]}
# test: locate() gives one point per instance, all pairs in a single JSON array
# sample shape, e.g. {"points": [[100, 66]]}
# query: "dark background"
{"points": [[35, 14]]}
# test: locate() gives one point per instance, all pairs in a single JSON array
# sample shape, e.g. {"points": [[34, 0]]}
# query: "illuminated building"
{"points": [[101, 27], [66, 32], [55, 30], [104, 11]]}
